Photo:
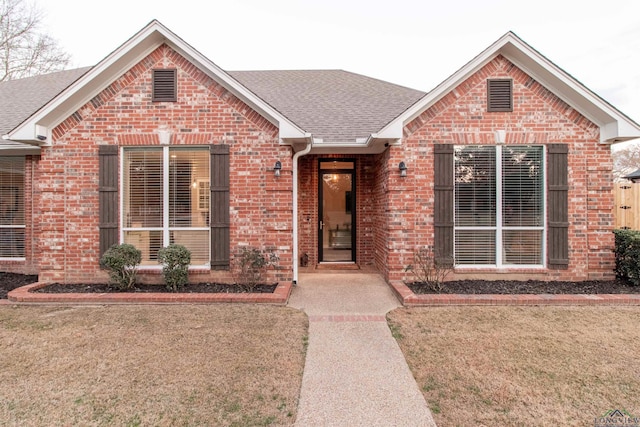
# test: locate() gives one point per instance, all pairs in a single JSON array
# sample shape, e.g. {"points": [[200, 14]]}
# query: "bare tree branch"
{"points": [[24, 49], [625, 161]]}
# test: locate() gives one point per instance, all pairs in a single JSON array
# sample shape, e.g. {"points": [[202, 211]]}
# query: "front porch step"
{"points": [[337, 266]]}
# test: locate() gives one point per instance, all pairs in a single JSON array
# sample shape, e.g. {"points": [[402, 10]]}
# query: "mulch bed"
{"points": [[528, 287], [191, 288], [10, 281]]}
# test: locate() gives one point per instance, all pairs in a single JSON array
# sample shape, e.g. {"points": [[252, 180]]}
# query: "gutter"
{"points": [[296, 156]]}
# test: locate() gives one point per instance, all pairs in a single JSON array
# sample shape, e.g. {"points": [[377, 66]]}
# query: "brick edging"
{"points": [[409, 299], [23, 295]]}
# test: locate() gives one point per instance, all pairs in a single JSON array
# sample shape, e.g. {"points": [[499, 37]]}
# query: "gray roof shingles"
{"points": [[20, 98], [335, 105]]}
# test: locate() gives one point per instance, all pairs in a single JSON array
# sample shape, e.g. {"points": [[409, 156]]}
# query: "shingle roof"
{"points": [[20, 98], [335, 105], [633, 175]]}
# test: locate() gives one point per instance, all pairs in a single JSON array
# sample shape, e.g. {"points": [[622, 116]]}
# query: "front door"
{"points": [[337, 203]]}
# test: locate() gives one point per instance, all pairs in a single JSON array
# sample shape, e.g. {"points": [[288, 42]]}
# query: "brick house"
{"points": [[503, 169]]}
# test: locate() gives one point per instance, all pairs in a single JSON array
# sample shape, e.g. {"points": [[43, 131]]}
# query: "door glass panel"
{"points": [[336, 216], [336, 164]]}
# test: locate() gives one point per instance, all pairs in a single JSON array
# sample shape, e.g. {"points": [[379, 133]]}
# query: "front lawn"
{"points": [[522, 365], [225, 365]]}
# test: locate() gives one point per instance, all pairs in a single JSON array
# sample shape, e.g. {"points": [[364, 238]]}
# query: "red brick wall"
{"points": [[394, 215], [539, 117], [123, 114]]}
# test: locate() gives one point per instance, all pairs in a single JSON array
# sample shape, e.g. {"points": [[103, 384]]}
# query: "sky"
{"points": [[414, 43]]}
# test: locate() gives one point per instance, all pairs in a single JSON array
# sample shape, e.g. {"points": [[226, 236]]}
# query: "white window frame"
{"points": [[499, 227], [166, 227]]}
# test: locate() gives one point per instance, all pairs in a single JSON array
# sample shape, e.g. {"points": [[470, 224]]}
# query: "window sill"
{"points": [[22, 259], [500, 270]]}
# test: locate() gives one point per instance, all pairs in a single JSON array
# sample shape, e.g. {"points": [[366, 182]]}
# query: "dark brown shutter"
{"points": [[108, 195], [557, 200], [165, 86], [220, 240], [499, 95], [443, 204]]}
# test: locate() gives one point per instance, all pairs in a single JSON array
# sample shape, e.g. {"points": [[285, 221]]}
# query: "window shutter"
{"points": [[557, 194], [219, 186], [499, 95], [165, 86], [443, 204], [108, 195]]}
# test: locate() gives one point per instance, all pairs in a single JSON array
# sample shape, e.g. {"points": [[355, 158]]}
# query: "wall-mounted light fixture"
{"points": [[403, 169], [277, 168]]}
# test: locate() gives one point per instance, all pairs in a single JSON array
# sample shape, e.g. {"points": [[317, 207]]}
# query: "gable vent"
{"points": [[165, 86], [500, 95]]}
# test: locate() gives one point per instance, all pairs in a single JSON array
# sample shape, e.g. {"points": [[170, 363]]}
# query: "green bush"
{"points": [[175, 261], [628, 255], [121, 261], [250, 266]]}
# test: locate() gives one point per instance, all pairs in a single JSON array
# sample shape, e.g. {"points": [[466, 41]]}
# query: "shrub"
{"points": [[175, 261], [121, 261], [427, 271], [250, 266], [627, 251]]}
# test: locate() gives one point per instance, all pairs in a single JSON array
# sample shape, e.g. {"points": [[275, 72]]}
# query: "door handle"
{"points": [[321, 225]]}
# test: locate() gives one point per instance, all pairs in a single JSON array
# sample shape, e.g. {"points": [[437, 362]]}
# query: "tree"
{"points": [[625, 161], [24, 49]]}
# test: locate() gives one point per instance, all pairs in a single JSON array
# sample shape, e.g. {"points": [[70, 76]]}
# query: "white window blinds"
{"points": [[499, 205], [12, 222], [163, 202]]}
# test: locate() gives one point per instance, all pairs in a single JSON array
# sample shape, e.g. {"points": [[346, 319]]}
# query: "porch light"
{"points": [[403, 169], [277, 168]]}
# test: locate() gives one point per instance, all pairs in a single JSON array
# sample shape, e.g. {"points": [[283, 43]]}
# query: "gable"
{"points": [[535, 111], [103, 75], [614, 126], [128, 107]]}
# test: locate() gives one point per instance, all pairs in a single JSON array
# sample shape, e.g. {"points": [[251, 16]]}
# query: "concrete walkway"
{"points": [[355, 373]]}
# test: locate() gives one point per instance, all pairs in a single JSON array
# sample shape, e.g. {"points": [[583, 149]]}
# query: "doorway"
{"points": [[337, 210]]}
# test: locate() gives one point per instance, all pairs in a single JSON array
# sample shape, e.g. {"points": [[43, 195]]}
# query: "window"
{"points": [[204, 193], [12, 221], [165, 86], [499, 205], [163, 202], [499, 95]]}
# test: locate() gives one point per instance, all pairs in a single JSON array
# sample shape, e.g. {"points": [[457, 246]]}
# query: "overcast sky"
{"points": [[415, 43]]}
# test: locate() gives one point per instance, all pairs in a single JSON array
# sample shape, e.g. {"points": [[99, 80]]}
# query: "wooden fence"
{"points": [[627, 205]]}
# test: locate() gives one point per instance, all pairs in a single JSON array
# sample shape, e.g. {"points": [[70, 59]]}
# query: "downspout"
{"points": [[297, 155]]}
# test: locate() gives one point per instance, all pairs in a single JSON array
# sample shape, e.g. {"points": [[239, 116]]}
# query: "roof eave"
{"points": [[41, 123], [373, 144], [16, 148]]}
